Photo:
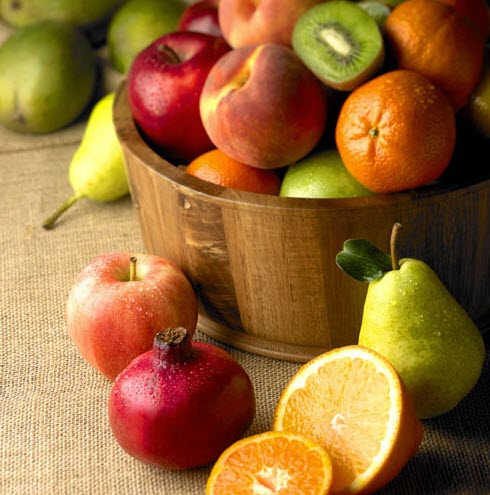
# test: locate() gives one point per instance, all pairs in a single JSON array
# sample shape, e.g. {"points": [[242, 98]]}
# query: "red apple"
{"points": [[202, 17], [116, 307], [164, 86], [263, 107], [248, 22]]}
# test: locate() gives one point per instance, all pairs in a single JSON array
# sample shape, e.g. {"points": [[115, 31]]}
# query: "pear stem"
{"points": [[132, 268], [395, 265], [50, 221]]}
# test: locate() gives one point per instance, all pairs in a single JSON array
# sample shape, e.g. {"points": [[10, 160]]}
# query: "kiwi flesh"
{"points": [[340, 43]]}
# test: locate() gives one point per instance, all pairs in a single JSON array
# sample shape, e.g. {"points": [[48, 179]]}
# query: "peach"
{"points": [[252, 22], [262, 106]]}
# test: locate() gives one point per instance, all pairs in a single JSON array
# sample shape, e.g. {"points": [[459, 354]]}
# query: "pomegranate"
{"points": [[181, 404]]}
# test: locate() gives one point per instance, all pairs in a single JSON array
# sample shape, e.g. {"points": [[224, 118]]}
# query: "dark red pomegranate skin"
{"points": [[179, 406]]}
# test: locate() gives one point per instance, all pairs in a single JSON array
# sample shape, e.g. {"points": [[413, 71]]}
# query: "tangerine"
{"points": [[219, 168], [396, 132], [476, 11], [430, 37], [352, 401], [272, 462]]}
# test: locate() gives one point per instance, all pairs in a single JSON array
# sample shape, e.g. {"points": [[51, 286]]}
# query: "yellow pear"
{"points": [[412, 319], [97, 170]]}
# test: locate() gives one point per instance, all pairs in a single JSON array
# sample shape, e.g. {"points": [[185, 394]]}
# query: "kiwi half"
{"points": [[340, 43]]}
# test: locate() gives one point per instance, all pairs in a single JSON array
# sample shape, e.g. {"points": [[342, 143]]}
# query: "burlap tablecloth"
{"points": [[54, 432]]}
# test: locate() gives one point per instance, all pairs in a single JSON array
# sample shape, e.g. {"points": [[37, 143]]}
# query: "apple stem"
{"points": [[395, 265], [171, 53], [132, 268], [51, 220]]}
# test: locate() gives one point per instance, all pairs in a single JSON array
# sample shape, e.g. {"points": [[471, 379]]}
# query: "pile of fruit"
{"points": [[366, 92], [330, 99], [364, 98]]}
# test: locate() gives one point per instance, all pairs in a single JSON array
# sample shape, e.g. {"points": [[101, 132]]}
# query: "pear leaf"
{"points": [[363, 261]]}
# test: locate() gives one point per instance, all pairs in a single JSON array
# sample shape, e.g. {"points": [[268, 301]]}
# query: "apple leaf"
{"points": [[363, 261]]}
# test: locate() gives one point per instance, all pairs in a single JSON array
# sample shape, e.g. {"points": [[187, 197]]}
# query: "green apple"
{"points": [[321, 175], [136, 24], [377, 9], [393, 3]]}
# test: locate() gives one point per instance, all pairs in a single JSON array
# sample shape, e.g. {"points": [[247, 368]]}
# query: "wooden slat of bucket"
{"points": [[264, 267]]}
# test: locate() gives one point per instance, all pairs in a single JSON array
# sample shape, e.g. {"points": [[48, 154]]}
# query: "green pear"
{"points": [[136, 24], [48, 74], [97, 170], [81, 13], [411, 319], [320, 175]]}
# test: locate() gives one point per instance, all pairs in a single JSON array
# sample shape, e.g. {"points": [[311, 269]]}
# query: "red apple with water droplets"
{"points": [[180, 405], [164, 86], [120, 301]]}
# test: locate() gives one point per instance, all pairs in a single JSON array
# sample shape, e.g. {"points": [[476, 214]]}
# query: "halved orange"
{"points": [[272, 462], [352, 401]]}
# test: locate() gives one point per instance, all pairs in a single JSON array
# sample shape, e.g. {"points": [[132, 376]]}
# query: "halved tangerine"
{"points": [[273, 462]]}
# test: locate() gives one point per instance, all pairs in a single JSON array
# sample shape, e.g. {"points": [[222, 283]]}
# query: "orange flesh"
{"points": [[273, 466], [351, 423]]}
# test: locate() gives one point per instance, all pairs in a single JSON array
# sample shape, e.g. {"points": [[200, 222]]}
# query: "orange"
{"points": [[431, 38], [396, 132], [476, 11], [272, 462], [219, 168], [352, 401]]}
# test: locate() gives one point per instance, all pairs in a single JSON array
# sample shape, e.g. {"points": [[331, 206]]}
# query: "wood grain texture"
{"points": [[264, 267]]}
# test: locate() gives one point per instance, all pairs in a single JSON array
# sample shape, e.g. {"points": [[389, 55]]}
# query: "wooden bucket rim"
{"points": [[134, 144]]}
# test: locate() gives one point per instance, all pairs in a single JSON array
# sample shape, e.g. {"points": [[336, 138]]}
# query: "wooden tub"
{"points": [[264, 266]]}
